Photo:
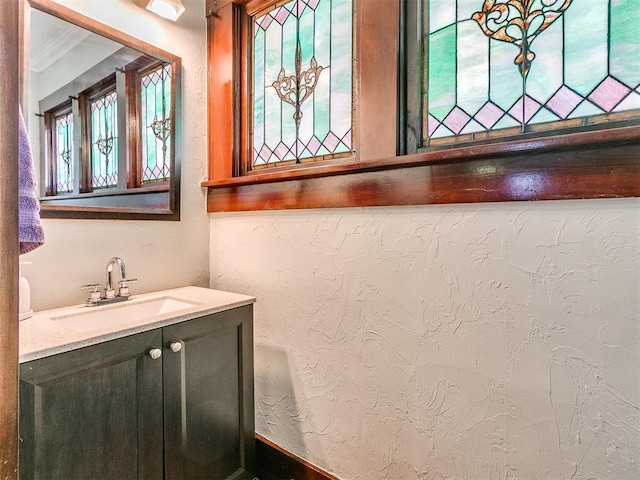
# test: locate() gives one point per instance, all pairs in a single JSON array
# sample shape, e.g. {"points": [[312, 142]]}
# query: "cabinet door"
{"points": [[209, 416], [93, 413]]}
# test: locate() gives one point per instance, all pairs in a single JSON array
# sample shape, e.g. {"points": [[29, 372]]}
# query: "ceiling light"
{"points": [[171, 9]]}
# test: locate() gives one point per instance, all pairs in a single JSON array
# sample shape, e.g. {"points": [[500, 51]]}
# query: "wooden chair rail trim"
{"points": [[596, 172], [540, 145]]}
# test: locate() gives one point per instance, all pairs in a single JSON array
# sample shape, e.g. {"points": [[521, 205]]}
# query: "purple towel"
{"points": [[30, 231]]}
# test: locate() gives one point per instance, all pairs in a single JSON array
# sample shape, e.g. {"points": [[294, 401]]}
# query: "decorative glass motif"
{"points": [[302, 81], [63, 146], [295, 89], [502, 67], [104, 141], [155, 94], [519, 22]]}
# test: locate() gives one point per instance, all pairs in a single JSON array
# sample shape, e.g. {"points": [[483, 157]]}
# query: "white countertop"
{"points": [[41, 336]]}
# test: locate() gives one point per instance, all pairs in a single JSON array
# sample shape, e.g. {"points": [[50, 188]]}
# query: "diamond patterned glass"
{"points": [[155, 91], [104, 141], [577, 65], [302, 81], [63, 146]]}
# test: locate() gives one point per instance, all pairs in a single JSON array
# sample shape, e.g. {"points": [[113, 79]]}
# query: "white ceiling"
{"points": [[51, 39]]}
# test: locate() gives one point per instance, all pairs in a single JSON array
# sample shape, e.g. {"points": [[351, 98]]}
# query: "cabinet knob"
{"points": [[155, 353], [175, 346]]}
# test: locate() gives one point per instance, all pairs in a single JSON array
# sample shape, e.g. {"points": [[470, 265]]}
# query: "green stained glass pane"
{"points": [[545, 76], [104, 141], [273, 47], [465, 9], [441, 132], [625, 41], [287, 141], [505, 82], [586, 45], [306, 24], [306, 128], [322, 36], [302, 85], [631, 102], [442, 72], [288, 44], [322, 94], [578, 62], [586, 109], [64, 153], [472, 67], [543, 116], [258, 91], [441, 14], [340, 71], [155, 93], [275, 43], [506, 122], [473, 127]]}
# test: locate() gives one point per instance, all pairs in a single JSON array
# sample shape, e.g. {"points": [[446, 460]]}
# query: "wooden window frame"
{"points": [[102, 89], [50, 177], [601, 163], [134, 96]]}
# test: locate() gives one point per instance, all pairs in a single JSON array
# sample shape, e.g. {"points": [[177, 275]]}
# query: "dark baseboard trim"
{"points": [[275, 463]]}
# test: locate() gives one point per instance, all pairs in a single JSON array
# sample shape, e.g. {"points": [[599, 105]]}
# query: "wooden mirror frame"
{"points": [[156, 202]]}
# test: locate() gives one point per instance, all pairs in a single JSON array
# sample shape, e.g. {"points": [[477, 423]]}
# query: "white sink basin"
{"points": [[97, 318]]}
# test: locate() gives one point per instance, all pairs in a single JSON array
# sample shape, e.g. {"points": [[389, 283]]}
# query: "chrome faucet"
{"points": [[109, 291], [110, 296]]}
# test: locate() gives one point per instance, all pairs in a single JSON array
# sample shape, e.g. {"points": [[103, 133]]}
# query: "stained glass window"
{"points": [[63, 147], [155, 91], [503, 67], [302, 81], [104, 141]]}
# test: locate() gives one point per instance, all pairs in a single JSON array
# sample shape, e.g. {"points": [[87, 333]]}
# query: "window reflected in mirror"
{"points": [[155, 111]]}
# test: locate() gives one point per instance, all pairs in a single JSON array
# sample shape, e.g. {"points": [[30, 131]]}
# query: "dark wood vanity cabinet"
{"points": [[208, 406], [93, 413], [112, 411]]}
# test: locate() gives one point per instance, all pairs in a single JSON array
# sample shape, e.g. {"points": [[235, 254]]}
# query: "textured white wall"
{"points": [[486, 341], [160, 254]]}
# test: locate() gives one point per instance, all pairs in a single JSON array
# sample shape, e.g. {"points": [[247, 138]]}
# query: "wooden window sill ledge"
{"points": [[604, 163]]}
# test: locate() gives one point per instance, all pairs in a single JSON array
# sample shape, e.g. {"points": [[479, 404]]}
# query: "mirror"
{"points": [[103, 113]]}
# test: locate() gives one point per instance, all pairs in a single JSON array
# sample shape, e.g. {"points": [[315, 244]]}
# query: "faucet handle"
{"points": [[123, 291], [94, 295]]}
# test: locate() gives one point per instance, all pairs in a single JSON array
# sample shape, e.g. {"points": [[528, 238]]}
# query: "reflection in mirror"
{"points": [[102, 113]]}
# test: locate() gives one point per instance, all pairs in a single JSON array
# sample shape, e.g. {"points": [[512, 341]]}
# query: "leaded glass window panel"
{"points": [[104, 141], [302, 82], [155, 97], [63, 152], [575, 64]]}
